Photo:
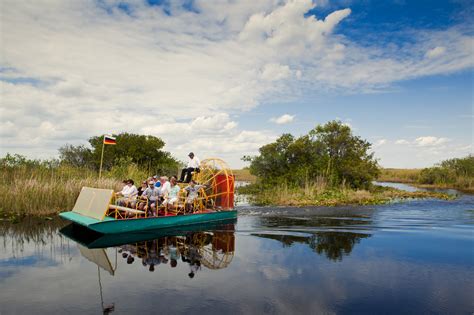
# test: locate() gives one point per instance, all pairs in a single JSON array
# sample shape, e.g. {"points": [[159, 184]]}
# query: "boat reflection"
{"points": [[206, 245], [211, 249]]}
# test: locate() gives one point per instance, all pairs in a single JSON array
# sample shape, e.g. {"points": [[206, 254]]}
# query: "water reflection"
{"points": [[413, 257], [196, 246], [326, 236], [333, 245]]}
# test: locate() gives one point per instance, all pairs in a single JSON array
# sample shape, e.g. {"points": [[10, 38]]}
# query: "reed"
{"points": [[399, 175], [244, 175], [318, 193], [41, 191]]}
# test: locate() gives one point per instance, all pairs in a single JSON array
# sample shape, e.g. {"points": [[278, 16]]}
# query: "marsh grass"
{"points": [[320, 194], [40, 191], [244, 175], [399, 175], [434, 177]]}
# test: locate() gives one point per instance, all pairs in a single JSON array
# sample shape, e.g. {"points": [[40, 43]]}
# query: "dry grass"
{"points": [[399, 175], [318, 194], [244, 175], [42, 192]]}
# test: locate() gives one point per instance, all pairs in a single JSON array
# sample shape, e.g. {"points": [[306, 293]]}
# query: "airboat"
{"points": [[95, 208]]}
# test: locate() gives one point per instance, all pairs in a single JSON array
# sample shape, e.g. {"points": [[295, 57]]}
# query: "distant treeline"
{"points": [[454, 173]]}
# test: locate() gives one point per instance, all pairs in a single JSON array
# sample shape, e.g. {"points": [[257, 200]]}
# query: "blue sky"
{"points": [[222, 78]]}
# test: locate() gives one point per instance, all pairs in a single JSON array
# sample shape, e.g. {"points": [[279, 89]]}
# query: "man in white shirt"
{"points": [[128, 193], [193, 166], [164, 187]]}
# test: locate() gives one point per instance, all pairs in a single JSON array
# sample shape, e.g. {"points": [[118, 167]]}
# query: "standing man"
{"points": [[193, 166]]}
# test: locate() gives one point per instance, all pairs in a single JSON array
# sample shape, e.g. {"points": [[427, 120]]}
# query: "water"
{"points": [[410, 257]]}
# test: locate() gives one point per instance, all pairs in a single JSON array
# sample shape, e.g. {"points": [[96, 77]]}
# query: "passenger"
{"points": [[194, 267], [192, 190], [171, 194], [142, 188], [193, 166], [140, 192], [124, 190], [151, 194], [164, 187], [173, 263], [129, 192], [157, 181]]}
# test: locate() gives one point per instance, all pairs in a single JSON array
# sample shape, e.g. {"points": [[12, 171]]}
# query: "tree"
{"points": [[329, 150], [143, 150], [348, 158], [78, 156]]}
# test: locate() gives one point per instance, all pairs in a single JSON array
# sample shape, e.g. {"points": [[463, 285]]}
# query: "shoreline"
{"points": [[296, 197], [300, 197], [427, 186]]}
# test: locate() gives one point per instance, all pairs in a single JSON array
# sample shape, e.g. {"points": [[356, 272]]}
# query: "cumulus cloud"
{"points": [[98, 68], [430, 141], [402, 141], [426, 141], [283, 119], [380, 142]]}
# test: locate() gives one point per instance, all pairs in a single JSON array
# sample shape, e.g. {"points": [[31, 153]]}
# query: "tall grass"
{"points": [[454, 173], [399, 175], [39, 188], [319, 193], [43, 191], [244, 175]]}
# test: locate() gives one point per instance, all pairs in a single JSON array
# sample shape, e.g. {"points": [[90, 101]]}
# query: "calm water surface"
{"points": [[410, 257]]}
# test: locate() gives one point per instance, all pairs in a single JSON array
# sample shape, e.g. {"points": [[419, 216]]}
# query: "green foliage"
{"points": [[143, 151], [77, 156], [457, 173], [330, 151], [124, 168]]}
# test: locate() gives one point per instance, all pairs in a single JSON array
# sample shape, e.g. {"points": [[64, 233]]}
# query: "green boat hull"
{"points": [[114, 226]]}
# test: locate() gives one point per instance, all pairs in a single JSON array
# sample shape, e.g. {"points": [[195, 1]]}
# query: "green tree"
{"points": [[347, 156], [142, 150], [329, 150], [78, 156]]}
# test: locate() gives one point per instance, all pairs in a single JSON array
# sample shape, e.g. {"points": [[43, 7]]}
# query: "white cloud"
{"points": [[402, 141], [274, 273], [380, 142], [430, 141], [275, 72], [435, 52], [283, 119], [98, 69]]}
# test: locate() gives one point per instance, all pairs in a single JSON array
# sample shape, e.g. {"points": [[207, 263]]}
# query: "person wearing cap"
{"points": [[156, 179], [152, 195], [193, 166]]}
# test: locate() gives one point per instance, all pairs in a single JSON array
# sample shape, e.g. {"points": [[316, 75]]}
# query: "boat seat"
{"points": [[130, 210]]}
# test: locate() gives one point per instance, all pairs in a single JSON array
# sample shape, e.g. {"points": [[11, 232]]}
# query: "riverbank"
{"points": [[314, 195], [416, 178]]}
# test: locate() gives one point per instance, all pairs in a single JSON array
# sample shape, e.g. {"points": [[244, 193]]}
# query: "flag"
{"points": [[109, 140]]}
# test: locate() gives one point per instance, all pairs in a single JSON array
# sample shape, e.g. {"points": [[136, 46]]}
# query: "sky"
{"points": [[222, 78]]}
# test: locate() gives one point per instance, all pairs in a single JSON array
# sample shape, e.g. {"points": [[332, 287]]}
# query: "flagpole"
{"points": [[102, 157]]}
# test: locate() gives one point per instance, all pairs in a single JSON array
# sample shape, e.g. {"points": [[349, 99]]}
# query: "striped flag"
{"points": [[109, 140]]}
